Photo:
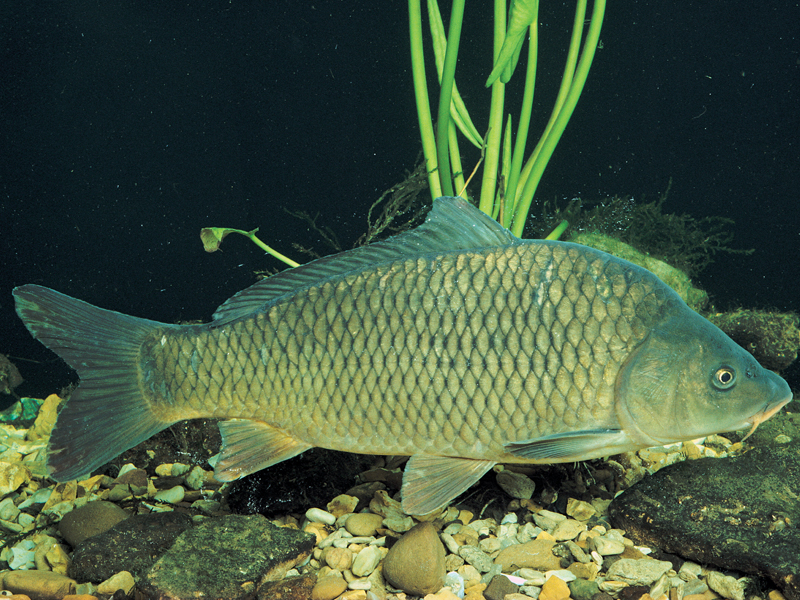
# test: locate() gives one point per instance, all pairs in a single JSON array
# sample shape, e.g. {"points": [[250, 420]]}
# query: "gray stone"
{"points": [[734, 513], [476, 557], [498, 587], [516, 485], [638, 571], [227, 557], [726, 586], [606, 546]]}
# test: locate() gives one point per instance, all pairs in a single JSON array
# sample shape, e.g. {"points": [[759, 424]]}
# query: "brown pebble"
{"points": [[365, 524], [499, 586], [554, 588], [536, 554], [340, 559], [90, 519], [39, 585], [415, 564], [329, 587]]}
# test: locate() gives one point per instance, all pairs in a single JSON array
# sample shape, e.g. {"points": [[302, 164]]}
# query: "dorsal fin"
{"points": [[452, 224]]}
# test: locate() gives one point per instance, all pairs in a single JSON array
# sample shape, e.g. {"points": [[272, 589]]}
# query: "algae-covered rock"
{"points": [[735, 513], [228, 557], [677, 280], [773, 338]]}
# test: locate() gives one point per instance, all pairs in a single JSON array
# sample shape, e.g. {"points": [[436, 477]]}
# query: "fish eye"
{"points": [[724, 378]]}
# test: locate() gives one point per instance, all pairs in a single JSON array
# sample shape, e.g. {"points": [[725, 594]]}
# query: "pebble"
{"points": [[568, 529], [531, 576], [317, 515], [580, 510], [120, 581], [548, 520], [536, 554], [726, 586], [90, 519], [415, 564], [690, 570], [339, 559], [172, 496], [43, 585], [329, 587], [554, 588], [366, 561], [498, 587], [605, 546], [12, 476], [516, 485], [476, 557], [444, 594], [644, 571], [342, 505], [455, 582], [363, 524]]}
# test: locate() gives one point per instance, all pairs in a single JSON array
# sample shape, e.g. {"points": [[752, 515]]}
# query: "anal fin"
{"points": [[429, 482], [249, 446]]}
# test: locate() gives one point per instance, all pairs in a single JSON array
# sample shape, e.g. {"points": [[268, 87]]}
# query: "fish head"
{"points": [[688, 379]]}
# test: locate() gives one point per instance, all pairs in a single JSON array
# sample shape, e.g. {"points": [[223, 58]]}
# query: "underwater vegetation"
{"points": [[685, 242]]}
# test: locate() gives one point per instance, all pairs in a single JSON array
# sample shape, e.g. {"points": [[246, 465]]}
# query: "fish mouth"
{"points": [[770, 409]]}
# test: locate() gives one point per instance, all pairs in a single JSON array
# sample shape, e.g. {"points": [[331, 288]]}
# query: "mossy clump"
{"points": [[773, 338], [685, 242]]}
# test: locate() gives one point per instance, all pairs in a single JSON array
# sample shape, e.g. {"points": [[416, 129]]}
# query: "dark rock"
{"points": [[311, 479], [131, 545], [633, 592], [88, 520], [498, 587], [293, 588], [735, 513], [226, 557], [583, 589]]}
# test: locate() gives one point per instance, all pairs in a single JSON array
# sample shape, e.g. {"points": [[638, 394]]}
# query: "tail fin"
{"points": [[107, 414]]}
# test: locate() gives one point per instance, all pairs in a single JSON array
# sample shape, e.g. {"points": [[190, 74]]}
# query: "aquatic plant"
{"points": [[685, 242], [507, 187]]}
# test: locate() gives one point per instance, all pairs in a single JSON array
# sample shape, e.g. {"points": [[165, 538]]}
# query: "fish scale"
{"points": [[455, 343]]}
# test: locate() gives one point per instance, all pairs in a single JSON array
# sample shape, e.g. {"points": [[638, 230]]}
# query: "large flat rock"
{"points": [[738, 513]]}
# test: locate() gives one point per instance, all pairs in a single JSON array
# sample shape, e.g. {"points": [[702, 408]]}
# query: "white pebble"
{"points": [[320, 516], [562, 574], [366, 561], [509, 518], [455, 582], [359, 584]]}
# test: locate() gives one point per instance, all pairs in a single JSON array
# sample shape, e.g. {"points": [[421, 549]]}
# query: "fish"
{"points": [[455, 343]]}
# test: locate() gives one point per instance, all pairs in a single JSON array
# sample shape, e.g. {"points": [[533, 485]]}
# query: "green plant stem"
{"points": [[446, 93], [495, 134], [455, 162], [422, 100], [524, 123], [551, 138]]}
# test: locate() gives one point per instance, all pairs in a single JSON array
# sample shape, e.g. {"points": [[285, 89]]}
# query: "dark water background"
{"points": [[128, 126]]}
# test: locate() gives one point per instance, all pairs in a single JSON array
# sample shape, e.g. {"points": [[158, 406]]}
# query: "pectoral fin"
{"points": [[249, 446], [429, 482], [573, 446]]}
